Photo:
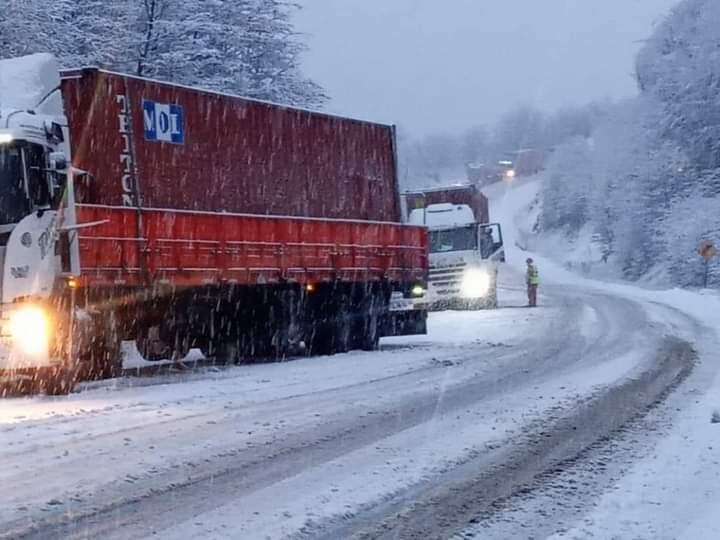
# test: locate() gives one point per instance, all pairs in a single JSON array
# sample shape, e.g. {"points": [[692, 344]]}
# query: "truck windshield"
{"points": [[14, 204], [458, 239]]}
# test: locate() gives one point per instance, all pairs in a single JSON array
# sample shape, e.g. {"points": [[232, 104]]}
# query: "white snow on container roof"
{"points": [[442, 215], [448, 187], [26, 80]]}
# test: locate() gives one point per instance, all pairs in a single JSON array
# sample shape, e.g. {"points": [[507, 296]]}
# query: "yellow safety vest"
{"points": [[533, 276]]}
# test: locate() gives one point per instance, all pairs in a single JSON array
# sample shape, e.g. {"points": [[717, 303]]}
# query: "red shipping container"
{"points": [[159, 145], [462, 194]]}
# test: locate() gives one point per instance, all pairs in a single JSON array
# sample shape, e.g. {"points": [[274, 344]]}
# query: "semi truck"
{"points": [[466, 249], [134, 209]]}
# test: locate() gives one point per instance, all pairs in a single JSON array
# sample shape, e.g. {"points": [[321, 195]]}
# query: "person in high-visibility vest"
{"points": [[532, 278]]}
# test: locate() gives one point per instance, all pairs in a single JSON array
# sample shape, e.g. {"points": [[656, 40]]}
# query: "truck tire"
{"points": [[58, 381], [367, 329], [317, 341], [150, 345], [108, 352], [228, 352], [342, 325], [103, 359], [331, 332], [369, 339]]}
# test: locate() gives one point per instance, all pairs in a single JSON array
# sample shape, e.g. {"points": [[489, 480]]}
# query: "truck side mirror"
{"points": [[54, 132], [58, 162]]}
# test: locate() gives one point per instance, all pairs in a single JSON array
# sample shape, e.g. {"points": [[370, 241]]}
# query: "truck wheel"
{"points": [[319, 340], [329, 329], [281, 342], [370, 336], [112, 361], [59, 381], [342, 326], [228, 351], [110, 357], [329, 337], [150, 345], [367, 330]]}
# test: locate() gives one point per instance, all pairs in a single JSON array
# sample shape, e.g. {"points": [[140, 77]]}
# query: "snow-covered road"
{"points": [[397, 443]]}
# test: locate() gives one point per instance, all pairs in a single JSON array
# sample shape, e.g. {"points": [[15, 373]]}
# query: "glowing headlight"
{"points": [[5, 138], [510, 174], [30, 330], [475, 283], [418, 290]]}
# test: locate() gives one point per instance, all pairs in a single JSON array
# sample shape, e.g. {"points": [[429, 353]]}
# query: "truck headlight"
{"points": [[475, 283], [30, 330], [418, 291]]}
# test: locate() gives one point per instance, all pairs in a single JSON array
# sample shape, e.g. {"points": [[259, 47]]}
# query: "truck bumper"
{"points": [[446, 290], [464, 304], [407, 317], [405, 323]]}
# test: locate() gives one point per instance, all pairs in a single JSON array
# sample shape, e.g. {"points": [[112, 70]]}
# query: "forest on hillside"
{"points": [[645, 185]]}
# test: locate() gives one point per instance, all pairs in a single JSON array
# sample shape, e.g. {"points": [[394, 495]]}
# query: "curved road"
{"points": [[419, 440]]}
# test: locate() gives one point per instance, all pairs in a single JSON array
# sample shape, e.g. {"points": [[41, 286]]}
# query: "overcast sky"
{"points": [[444, 65]]}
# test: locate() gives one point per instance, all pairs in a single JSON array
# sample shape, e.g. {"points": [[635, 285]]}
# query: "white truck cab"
{"points": [[464, 256], [35, 211]]}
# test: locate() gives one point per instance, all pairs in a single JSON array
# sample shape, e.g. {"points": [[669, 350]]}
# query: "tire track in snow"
{"points": [[473, 492]]}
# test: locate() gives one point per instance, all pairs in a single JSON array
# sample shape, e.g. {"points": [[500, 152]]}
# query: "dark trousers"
{"points": [[532, 295]]}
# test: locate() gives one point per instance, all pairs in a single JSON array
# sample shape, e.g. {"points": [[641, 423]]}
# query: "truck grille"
{"points": [[446, 280]]}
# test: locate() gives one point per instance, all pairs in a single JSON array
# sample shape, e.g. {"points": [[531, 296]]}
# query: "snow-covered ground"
{"points": [[675, 491], [116, 441]]}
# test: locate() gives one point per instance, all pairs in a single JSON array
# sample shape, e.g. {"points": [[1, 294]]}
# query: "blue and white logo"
{"points": [[163, 122]]}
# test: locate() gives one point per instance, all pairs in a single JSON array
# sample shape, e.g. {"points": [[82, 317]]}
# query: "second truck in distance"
{"points": [[465, 248]]}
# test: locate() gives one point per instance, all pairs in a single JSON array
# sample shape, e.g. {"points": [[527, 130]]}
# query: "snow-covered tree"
{"points": [[246, 47], [271, 59], [434, 159], [524, 127], [475, 144], [651, 179], [680, 68], [565, 194]]}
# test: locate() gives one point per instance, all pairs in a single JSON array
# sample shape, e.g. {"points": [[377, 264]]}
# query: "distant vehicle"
{"points": [[481, 174], [178, 217], [527, 162], [506, 169], [465, 248]]}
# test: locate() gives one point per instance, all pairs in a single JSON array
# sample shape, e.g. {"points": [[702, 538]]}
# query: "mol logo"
{"points": [[163, 122]]}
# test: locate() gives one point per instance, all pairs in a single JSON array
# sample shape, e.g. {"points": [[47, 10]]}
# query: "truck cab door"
{"points": [[491, 242]]}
